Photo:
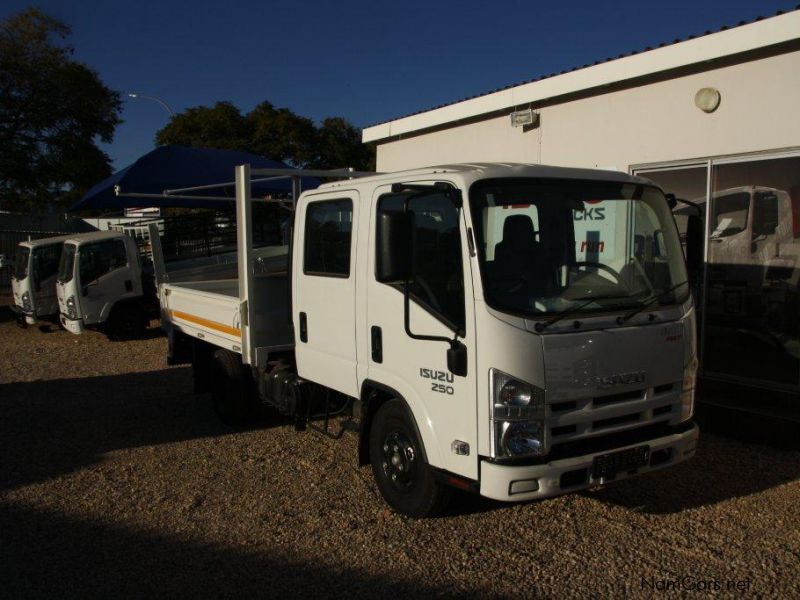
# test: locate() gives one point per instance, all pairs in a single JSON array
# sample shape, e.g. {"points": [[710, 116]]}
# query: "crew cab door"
{"points": [[324, 290], [443, 404], [105, 275]]}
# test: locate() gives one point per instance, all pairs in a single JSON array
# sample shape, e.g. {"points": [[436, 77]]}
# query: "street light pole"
{"points": [[156, 99]]}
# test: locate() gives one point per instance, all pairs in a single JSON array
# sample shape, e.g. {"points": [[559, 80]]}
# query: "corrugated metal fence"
{"points": [[9, 238]]}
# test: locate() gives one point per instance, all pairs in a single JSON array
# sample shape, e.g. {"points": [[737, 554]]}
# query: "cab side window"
{"points": [[438, 284], [328, 235], [100, 258]]}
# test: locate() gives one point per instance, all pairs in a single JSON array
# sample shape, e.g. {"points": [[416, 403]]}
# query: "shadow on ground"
{"points": [[43, 555], [721, 469], [6, 314], [56, 426]]}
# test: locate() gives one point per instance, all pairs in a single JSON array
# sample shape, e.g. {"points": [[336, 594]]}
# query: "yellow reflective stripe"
{"points": [[235, 331]]}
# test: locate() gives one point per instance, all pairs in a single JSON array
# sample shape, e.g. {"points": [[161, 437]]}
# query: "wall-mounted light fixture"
{"points": [[707, 99], [524, 118]]}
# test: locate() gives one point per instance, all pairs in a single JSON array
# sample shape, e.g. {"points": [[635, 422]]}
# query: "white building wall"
{"points": [[652, 123]]}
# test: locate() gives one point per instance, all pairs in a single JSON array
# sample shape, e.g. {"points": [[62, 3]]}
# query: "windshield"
{"points": [[45, 261], [21, 262], [66, 266], [552, 245]]}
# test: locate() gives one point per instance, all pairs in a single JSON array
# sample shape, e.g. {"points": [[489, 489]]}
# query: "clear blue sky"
{"points": [[368, 61]]}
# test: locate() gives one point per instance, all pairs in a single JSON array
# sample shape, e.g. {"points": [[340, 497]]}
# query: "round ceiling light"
{"points": [[707, 99]]}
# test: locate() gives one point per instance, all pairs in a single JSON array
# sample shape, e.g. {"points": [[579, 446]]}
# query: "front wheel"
{"points": [[403, 477]]}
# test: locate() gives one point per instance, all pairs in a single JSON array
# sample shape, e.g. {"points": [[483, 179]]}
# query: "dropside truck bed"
{"points": [[212, 311], [209, 310]]}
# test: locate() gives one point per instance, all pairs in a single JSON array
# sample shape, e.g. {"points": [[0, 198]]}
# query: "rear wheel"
{"points": [[404, 479], [231, 390]]}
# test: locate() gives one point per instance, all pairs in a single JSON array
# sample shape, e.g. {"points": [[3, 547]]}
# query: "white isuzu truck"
{"points": [[467, 321], [101, 284], [33, 280]]}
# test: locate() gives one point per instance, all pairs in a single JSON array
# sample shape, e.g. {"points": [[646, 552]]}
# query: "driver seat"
{"points": [[519, 253]]}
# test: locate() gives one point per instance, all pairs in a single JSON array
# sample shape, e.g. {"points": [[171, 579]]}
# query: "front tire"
{"points": [[404, 479]]}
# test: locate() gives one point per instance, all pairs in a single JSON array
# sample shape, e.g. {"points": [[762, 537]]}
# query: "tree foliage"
{"points": [[276, 133], [53, 109]]}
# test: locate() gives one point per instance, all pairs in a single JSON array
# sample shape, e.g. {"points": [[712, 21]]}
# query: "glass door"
{"points": [[749, 302]]}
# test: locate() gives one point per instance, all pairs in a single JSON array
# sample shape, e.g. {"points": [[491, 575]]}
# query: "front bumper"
{"points": [[496, 480], [72, 325], [23, 316]]}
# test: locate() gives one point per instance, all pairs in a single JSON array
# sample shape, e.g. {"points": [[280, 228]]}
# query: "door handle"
{"points": [[377, 344], [303, 327]]}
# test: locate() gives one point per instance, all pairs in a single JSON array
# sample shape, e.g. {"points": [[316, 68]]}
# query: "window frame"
{"points": [[350, 239], [110, 243], [442, 318]]}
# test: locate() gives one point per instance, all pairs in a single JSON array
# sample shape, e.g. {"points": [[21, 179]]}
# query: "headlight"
{"points": [[72, 311], [518, 414], [26, 301], [687, 389], [520, 438]]}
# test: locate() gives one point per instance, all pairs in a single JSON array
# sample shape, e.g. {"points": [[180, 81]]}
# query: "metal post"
{"points": [[244, 243], [296, 183]]}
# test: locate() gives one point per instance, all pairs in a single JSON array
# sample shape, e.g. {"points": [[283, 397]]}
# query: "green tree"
{"points": [[339, 145], [221, 126], [276, 133], [53, 109], [280, 134]]}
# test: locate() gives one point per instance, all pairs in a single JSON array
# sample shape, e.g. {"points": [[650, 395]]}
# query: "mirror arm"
{"points": [[407, 322], [694, 205]]}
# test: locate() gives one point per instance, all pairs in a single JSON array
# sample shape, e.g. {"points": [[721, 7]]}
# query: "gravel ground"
{"points": [[115, 481]]}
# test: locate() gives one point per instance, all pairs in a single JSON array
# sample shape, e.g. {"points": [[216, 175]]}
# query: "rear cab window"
{"points": [[328, 238]]}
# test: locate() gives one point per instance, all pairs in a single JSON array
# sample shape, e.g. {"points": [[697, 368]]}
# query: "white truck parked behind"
{"points": [[33, 281], [101, 285], [467, 321]]}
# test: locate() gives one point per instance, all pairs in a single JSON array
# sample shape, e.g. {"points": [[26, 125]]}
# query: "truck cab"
{"points": [[33, 281], [519, 331], [99, 284], [535, 323]]}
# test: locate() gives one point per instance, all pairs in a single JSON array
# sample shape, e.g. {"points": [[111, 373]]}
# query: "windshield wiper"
{"points": [[542, 325], [647, 302]]}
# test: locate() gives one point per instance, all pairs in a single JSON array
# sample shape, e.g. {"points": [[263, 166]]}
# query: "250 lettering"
{"points": [[441, 388]]}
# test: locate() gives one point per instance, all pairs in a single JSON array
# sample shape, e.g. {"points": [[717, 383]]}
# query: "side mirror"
{"points": [[694, 245], [457, 358], [393, 262]]}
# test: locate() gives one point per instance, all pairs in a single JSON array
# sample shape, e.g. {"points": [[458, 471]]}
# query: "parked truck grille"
{"points": [[603, 414]]}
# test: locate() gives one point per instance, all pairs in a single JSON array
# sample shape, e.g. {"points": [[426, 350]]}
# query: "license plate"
{"points": [[606, 466]]}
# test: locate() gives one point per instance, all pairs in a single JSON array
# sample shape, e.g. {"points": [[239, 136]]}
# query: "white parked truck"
{"points": [[101, 285], [33, 280], [469, 322]]}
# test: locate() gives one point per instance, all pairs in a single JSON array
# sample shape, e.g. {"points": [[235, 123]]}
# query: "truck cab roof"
{"points": [[45, 241], [93, 236], [469, 172]]}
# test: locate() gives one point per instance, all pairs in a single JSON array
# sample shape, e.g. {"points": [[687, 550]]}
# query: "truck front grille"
{"points": [[602, 414]]}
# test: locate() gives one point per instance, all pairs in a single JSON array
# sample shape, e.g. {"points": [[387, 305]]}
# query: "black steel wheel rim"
{"points": [[399, 460]]}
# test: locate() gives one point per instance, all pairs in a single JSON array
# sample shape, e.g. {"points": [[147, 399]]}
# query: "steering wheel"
{"points": [[600, 267]]}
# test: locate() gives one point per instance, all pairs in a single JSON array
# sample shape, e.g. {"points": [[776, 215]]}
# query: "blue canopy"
{"points": [[170, 167]]}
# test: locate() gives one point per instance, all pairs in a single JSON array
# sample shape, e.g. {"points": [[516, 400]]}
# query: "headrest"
{"points": [[518, 229]]}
